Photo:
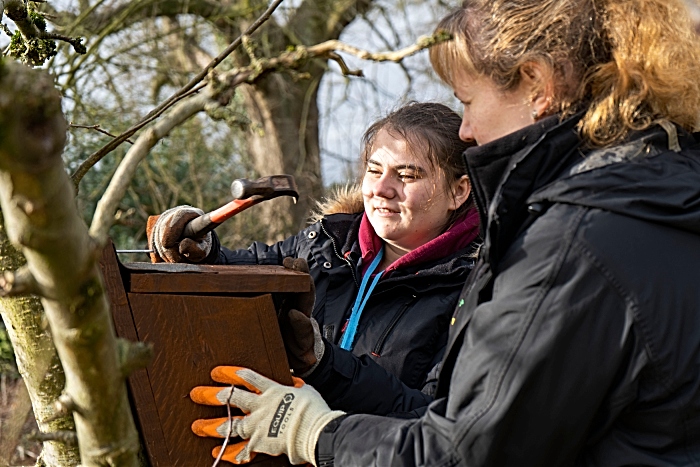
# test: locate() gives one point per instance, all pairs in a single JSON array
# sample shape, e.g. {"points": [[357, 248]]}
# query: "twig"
{"points": [[96, 128], [343, 66], [66, 437], [19, 282], [326, 50], [153, 114], [35, 28], [329, 47], [76, 42]]}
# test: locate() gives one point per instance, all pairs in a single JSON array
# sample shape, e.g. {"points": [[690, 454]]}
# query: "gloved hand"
{"points": [[167, 234], [279, 419], [300, 332]]}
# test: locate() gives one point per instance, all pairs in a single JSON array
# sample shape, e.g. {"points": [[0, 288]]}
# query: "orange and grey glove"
{"points": [[278, 419], [167, 239], [300, 332]]}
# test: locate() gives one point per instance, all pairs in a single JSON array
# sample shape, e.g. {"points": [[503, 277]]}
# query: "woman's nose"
{"points": [[465, 131], [385, 186]]}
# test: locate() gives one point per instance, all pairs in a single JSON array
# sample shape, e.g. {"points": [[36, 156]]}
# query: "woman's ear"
{"points": [[538, 80], [461, 189]]}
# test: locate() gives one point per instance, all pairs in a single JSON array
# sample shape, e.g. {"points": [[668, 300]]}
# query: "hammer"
{"points": [[246, 193]]}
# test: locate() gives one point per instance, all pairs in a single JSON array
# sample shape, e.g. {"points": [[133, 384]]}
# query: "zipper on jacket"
{"points": [[382, 339], [335, 250]]}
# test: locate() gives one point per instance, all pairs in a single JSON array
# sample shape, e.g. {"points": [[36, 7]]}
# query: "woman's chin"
{"points": [[386, 234]]}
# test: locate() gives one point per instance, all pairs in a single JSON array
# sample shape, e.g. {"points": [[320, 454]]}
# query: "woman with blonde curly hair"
{"points": [[576, 340]]}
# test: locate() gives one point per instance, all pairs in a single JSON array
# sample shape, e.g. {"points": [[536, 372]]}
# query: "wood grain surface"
{"points": [[191, 335], [208, 279], [196, 318]]}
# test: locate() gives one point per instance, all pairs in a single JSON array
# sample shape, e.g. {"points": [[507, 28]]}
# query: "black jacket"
{"points": [[402, 333], [578, 342]]}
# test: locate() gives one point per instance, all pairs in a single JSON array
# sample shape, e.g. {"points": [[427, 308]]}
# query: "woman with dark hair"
{"points": [[388, 260], [577, 338]]}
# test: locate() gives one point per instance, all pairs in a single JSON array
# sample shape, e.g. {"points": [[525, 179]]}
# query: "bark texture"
{"points": [[37, 362], [36, 196], [283, 108]]}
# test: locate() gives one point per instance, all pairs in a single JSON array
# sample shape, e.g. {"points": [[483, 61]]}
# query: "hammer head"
{"points": [[265, 188]]}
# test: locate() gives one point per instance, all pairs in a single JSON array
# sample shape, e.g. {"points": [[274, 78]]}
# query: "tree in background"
{"points": [[161, 44], [175, 37], [37, 203]]}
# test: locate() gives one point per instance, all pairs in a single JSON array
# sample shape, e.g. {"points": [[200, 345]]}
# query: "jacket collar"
{"points": [[450, 267], [506, 171], [457, 237], [653, 176]]}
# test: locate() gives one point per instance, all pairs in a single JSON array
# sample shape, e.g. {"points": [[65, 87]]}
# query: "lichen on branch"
{"points": [[31, 42]]}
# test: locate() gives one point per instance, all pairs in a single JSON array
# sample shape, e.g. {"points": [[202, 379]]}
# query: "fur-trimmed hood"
{"points": [[342, 200]]}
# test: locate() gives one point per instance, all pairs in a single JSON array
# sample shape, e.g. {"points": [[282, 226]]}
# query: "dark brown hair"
{"points": [[431, 131]]}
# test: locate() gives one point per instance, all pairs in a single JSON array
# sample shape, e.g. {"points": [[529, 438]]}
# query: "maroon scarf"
{"points": [[461, 234]]}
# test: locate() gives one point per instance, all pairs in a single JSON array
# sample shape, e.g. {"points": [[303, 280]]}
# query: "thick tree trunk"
{"points": [[283, 108], [41, 218], [284, 139], [37, 361]]}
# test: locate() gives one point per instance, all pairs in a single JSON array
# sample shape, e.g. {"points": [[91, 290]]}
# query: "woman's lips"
{"points": [[383, 211]]}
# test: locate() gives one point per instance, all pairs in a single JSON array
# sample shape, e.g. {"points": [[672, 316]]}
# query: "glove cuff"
{"points": [[319, 349], [213, 256], [309, 451]]}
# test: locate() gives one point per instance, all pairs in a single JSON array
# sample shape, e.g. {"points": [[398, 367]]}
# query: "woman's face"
{"points": [[490, 113], [406, 201]]}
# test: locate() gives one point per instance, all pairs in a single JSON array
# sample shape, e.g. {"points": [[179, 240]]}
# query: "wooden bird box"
{"points": [[196, 317]]}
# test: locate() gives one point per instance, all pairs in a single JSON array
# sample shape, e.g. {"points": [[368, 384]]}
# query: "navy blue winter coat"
{"points": [[402, 333], [578, 341]]}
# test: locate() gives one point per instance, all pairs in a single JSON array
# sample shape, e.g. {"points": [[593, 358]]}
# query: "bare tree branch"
{"points": [[343, 66], [321, 50], [32, 43], [63, 259], [98, 129], [65, 437], [107, 206], [218, 92], [153, 114]]}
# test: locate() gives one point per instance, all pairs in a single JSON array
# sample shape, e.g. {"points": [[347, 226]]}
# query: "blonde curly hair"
{"points": [[627, 63]]}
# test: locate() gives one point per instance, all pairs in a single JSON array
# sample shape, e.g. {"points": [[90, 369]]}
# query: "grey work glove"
{"points": [[300, 332], [278, 419], [167, 240]]}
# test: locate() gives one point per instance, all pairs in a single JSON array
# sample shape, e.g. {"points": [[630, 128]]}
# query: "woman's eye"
{"points": [[407, 177], [373, 171]]}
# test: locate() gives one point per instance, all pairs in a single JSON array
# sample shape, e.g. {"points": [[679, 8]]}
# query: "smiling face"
{"points": [[489, 112], [406, 200]]}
